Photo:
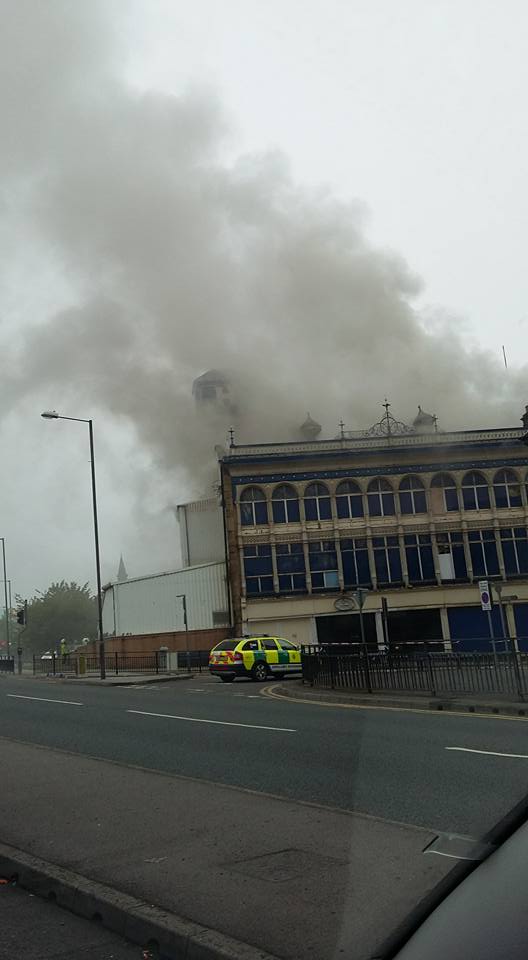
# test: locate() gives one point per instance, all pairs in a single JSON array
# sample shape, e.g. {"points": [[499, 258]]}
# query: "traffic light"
{"points": [[21, 616]]}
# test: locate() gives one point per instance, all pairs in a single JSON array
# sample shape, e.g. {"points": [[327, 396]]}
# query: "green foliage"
{"points": [[63, 610]]}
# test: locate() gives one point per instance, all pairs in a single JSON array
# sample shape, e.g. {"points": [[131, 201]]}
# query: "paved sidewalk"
{"points": [[35, 929], [111, 680], [335, 884], [297, 690]]}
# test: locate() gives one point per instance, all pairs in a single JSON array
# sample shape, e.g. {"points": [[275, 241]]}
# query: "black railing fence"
{"points": [[427, 671], [78, 664], [7, 664]]}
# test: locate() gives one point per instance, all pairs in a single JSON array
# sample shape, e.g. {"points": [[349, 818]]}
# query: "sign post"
{"points": [[486, 604], [360, 596]]}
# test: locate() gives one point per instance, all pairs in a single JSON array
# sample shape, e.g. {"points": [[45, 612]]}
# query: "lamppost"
{"points": [[183, 598], [53, 415], [5, 598]]}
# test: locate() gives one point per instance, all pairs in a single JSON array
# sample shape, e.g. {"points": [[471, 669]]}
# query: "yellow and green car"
{"points": [[256, 657]]}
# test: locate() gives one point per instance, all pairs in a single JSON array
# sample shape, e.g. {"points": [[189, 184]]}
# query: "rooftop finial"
{"points": [[231, 437], [342, 429]]}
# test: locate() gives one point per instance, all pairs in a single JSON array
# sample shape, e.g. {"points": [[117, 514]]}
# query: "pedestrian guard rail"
{"points": [[426, 672], [156, 662], [7, 664]]}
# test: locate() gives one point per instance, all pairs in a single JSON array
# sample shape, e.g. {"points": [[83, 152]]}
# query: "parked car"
{"points": [[256, 657]]}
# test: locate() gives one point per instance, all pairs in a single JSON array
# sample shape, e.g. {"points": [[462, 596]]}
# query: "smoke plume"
{"points": [[154, 258]]}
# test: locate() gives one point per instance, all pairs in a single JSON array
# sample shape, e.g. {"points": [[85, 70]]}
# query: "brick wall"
{"points": [[146, 643]]}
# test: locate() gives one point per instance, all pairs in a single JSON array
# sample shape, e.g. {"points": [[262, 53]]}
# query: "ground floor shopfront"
{"points": [[450, 617]]}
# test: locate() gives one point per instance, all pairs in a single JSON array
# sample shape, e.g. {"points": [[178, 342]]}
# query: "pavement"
{"points": [[223, 807], [482, 704], [111, 680], [36, 929]]}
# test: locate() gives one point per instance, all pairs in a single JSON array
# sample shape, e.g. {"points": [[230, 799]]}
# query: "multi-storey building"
{"points": [[413, 514]]}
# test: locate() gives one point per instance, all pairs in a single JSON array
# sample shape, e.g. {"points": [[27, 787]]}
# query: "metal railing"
{"points": [[433, 673], [79, 664], [7, 664], [115, 663]]}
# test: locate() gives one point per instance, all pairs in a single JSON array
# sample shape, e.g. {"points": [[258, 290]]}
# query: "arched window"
{"points": [[253, 507], [444, 494], [475, 491], [412, 496], [317, 502], [506, 489], [380, 499], [349, 500], [285, 504]]}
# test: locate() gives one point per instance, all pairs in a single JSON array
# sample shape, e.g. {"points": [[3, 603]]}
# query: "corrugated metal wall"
{"points": [[201, 531], [151, 604]]}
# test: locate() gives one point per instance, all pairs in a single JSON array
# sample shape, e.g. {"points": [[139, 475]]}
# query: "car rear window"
{"points": [[227, 644]]}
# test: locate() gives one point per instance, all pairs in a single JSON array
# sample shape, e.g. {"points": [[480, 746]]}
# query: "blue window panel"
{"points": [[259, 585], [469, 498], [279, 511], [382, 569], [363, 568], [459, 561], [483, 497], [285, 511], [288, 583], [257, 550], [510, 557], [492, 559], [261, 512], [291, 562], [395, 566], [477, 559], [520, 611], [246, 514], [427, 563], [374, 504], [325, 510], [413, 564], [469, 628], [310, 508], [451, 499], [257, 566], [292, 509], [349, 506], [413, 502]]}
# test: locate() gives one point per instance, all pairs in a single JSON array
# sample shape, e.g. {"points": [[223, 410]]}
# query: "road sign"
{"points": [[360, 596], [485, 596]]}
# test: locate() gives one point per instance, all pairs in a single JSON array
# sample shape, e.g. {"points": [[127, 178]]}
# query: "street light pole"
{"points": [[183, 598], [5, 597], [53, 415]]}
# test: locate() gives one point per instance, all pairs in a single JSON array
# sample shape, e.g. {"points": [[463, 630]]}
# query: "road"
{"points": [[414, 768]]}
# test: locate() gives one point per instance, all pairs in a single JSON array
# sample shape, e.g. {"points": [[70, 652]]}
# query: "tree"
{"points": [[63, 610]]}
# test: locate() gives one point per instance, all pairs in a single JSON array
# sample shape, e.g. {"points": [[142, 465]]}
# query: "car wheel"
{"points": [[259, 671], [228, 679]]}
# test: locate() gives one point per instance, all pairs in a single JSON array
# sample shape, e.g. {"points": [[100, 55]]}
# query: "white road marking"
{"points": [[221, 723], [19, 696], [453, 856], [491, 753]]}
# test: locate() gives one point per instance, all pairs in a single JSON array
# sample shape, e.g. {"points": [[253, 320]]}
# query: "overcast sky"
{"points": [[218, 131]]}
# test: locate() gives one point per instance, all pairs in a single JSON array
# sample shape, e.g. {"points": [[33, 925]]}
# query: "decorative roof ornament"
{"points": [[388, 426], [310, 429]]}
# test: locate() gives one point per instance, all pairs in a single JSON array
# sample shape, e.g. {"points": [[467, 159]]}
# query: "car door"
{"points": [[250, 651], [272, 653], [291, 655]]}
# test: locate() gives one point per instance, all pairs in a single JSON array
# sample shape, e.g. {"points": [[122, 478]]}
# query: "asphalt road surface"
{"points": [[448, 773]]}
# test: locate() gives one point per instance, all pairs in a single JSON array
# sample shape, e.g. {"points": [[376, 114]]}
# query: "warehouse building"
{"points": [[415, 515]]}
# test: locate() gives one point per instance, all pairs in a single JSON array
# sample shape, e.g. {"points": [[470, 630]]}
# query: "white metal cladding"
{"points": [[151, 604], [201, 531]]}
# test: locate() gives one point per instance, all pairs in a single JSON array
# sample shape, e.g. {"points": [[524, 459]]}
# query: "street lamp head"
{"points": [[50, 415]]}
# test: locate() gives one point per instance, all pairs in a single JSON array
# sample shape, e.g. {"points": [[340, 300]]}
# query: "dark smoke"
{"points": [[171, 261]]}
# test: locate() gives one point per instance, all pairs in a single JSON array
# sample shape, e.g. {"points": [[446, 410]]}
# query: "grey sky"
{"points": [[162, 213]]}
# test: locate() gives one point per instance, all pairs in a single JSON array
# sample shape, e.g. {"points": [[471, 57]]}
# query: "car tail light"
{"points": [[237, 657]]}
